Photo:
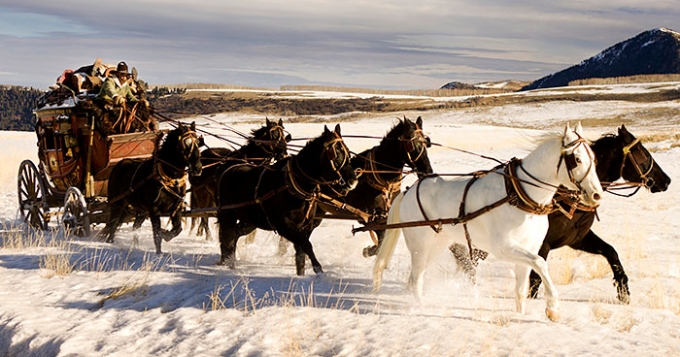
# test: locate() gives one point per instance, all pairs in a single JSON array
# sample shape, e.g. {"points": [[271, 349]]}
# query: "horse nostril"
{"points": [[596, 196]]}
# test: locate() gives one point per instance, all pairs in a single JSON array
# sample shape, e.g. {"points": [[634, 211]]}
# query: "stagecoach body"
{"points": [[75, 161]]}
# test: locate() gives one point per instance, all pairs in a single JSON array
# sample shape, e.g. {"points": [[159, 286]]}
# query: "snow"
{"points": [[121, 299]]}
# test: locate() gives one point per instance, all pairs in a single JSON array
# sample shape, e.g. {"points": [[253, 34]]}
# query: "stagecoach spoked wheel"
{"points": [[33, 205], [76, 218]]}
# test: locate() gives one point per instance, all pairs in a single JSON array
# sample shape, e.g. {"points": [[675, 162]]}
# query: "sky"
{"points": [[395, 44], [67, 296]]}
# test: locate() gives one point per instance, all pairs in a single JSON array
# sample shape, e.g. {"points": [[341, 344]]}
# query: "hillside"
{"points": [[655, 51], [307, 104]]}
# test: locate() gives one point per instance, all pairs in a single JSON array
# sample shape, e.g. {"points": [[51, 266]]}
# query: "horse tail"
{"points": [[388, 243]]}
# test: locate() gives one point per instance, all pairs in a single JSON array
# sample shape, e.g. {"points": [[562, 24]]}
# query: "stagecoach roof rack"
{"points": [[61, 97]]}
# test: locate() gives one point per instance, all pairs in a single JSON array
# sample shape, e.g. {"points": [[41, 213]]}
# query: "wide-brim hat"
{"points": [[122, 68]]}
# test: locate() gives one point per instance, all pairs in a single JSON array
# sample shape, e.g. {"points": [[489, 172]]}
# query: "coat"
{"points": [[112, 88]]}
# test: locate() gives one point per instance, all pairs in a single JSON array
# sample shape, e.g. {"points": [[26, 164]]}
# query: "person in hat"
{"points": [[116, 89], [117, 116]]}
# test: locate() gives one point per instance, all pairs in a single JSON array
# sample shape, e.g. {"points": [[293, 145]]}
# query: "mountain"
{"points": [[510, 85], [655, 51]]}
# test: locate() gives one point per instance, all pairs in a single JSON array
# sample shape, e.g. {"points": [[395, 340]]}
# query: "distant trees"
{"points": [[642, 78], [16, 107], [161, 91]]}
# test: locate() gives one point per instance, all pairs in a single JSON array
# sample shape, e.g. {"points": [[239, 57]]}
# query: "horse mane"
{"points": [[606, 139], [256, 133], [170, 139], [393, 133]]}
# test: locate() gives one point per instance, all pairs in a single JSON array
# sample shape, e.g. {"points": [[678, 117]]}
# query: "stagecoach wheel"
{"points": [[32, 201], [76, 217]]}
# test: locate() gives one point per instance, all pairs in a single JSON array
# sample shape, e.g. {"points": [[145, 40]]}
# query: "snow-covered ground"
{"points": [[122, 300]]}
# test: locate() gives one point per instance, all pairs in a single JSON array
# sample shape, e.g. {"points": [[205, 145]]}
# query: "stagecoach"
{"points": [[70, 180]]}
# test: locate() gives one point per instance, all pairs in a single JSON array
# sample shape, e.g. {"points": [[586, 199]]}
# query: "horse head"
{"points": [[578, 171], [334, 166], [413, 146], [186, 145], [638, 165], [272, 139]]}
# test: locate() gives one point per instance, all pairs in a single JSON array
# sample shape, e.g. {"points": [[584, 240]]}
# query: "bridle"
{"points": [[188, 143], [636, 157], [409, 144], [277, 139], [571, 163], [330, 151]]}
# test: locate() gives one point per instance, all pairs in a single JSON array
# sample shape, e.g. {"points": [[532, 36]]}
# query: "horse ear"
{"points": [[624, 133], [280, 122], [267, 122], [567, 129], [579, 128], [337, 129], [193, 126], [419, 122], [288, 138], [325, 130]]}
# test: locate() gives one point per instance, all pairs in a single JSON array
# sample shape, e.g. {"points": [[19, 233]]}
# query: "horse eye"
{"points": [[578, 160]]}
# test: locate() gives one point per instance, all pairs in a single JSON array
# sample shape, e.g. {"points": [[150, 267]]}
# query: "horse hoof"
{"points": [[370, 251], [553, 315], [624, 299]]}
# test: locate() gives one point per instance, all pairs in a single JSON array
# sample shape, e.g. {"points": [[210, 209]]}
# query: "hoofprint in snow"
{"points": [[68, 296]]}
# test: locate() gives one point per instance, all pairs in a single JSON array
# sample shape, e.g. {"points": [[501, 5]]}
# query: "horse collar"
{"points": [[519, 197], [294, 186], [376, 181], [168, 181]]}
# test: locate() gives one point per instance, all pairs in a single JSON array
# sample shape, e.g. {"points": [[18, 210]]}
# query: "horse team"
{"points": [[517, 211]]}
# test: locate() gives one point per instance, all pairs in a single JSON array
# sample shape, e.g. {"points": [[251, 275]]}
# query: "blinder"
{"points": [[570, 161]]}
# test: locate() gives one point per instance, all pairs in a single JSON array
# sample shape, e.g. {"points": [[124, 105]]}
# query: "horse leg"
{"points": [[591, 243], [228, 239], [176, 220], [139, 220], [306, 249], [157, 232], [534, 279], [204, 226], [524, 260], [115, 218]]}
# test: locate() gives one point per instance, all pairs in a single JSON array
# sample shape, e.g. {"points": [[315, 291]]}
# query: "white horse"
{"points": [[510, 230]]}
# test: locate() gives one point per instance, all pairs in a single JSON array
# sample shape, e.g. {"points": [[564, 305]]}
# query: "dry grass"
{"points": [[58, 263], [18, 238], [601, 313]]}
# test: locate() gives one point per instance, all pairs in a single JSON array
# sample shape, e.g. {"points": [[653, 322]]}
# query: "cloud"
{"points": [[353, 42]]}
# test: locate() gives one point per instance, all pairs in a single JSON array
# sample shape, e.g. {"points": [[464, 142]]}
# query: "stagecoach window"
{"points": [[48, 138]]}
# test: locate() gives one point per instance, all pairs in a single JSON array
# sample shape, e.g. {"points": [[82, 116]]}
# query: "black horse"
{"points": [[282, 197], [381, 169], [154, 187], [265, 145], [618, 156]]}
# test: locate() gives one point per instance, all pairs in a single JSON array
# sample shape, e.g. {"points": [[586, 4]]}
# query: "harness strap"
{"points": [[388, 188], [518, 197], [325, 199], [461, 211]]}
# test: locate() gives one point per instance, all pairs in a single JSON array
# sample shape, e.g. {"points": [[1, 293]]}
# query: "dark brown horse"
{"points": [[282, 197], [618, 156], [154, 187], [265, 145], [381, 169]]}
